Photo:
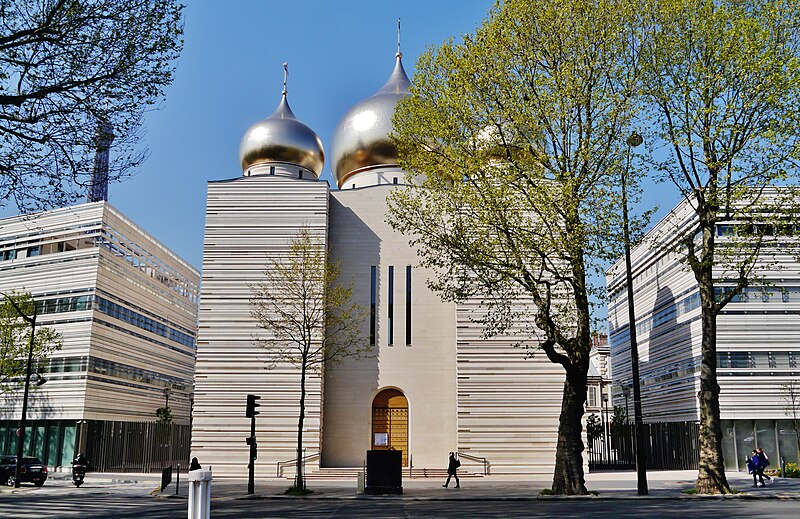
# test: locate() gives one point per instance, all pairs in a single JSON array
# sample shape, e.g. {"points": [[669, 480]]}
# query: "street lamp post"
{"points": [[625, 392], [633, 141], [22, 419]]}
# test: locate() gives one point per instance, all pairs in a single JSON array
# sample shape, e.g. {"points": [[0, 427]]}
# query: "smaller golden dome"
{"points": [[282, 138]]}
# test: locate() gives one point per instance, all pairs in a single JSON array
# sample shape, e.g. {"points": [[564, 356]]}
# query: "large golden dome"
{"points": [[281, 138], [361, 139]]}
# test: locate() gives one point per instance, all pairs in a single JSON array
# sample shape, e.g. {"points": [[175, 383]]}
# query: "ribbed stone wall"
{"points": [[249, 221]]}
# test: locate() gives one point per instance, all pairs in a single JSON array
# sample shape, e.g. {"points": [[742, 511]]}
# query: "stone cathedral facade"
{"points": [[433, 384]]}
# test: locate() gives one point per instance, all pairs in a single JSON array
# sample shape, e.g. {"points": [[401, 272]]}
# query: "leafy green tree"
{"points": [[790, 394], [15, 334], [67, 68], [619, 417], [594, 428], [516, 140], [308, 317], [164, 415], [722, 86]]}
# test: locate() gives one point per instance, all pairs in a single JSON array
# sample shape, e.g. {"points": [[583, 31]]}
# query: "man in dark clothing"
{"points": [[452, 467], [757, 465], [763, 462]]}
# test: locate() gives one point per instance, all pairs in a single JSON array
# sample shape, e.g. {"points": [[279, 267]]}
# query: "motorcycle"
{"points": [[78, 474]]}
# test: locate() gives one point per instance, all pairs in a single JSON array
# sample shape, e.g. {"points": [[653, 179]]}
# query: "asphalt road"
{"points": [[129, 501]]}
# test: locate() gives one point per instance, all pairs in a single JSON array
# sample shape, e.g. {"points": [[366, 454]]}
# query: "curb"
{"points": [[389, 497]]}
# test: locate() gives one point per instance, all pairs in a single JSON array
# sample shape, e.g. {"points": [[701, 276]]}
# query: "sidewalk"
{"points": [[609, 485]]}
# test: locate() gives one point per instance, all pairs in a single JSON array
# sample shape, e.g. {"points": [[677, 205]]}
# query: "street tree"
{"points": [[722, 90], [70, 72], [308, 317], [790, 393], [15, 334], [594, 429], [164, 415], [515, 138]]}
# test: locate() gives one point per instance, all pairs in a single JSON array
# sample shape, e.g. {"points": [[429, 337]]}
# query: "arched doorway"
{"points": [[390, 422]]}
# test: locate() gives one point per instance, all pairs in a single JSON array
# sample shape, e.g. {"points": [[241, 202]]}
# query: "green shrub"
{"points": [[547, 492], [297, 491], [792, 471]]}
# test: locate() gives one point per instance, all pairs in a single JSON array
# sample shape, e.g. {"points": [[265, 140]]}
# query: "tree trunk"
{"points": [[568, 475], [711, 477], [300, 479]]}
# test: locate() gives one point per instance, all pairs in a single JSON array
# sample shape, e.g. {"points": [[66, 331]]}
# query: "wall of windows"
{"points": [[88, 301], [740, 437], [141, 321]]}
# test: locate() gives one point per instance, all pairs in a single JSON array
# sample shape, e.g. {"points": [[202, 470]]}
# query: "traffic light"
{"points": [[251, 406]]}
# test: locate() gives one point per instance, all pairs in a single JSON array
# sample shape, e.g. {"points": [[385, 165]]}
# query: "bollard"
{"points": [[360, 484], [178, 479], [199, 494]]}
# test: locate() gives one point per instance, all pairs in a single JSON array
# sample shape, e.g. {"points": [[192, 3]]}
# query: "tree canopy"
{"points": [[516, 139], [15, 335], [721, 89], [307, 316], [68, 68]]}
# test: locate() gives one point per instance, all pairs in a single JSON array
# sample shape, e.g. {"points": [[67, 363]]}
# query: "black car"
{"points": [[32, 470]]}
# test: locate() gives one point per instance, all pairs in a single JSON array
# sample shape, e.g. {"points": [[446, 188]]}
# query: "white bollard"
{"points": [[200, 494]]}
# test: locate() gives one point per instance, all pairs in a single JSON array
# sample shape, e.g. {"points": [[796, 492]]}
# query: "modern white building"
{"points": [[433, 384], [758, 344], [126, 307]]}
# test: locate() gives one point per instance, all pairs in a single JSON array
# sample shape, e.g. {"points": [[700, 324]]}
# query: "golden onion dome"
{"points": [[281, 138], [361, 139]]}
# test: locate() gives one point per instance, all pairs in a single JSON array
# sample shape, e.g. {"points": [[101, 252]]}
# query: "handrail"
{"points": [[281, 464], [477, 459]]}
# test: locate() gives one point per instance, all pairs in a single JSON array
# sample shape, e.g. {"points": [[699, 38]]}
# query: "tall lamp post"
{"points": [[633, 141], [22, 419]]}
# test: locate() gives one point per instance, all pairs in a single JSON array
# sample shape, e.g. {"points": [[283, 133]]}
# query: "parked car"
{"points": [[32, 470]]}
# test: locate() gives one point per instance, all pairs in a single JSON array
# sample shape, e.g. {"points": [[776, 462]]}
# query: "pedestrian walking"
{"points": [[763, 462], [756, 469], [452, 468]]}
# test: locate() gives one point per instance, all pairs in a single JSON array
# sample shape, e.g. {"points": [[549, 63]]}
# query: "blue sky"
{"points": [[230, 76]]}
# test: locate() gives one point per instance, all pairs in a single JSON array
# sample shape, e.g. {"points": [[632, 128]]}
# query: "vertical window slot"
{"points": [[372, 301], [391, 305], [408, 305]]}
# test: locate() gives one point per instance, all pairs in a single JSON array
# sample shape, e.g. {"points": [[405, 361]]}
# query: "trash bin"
{"points": [[384, 472]]}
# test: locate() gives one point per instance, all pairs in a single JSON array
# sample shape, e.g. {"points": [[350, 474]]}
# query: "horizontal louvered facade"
{"points": [[459, 391], [125, 305], [250, 222], [758, 342]]}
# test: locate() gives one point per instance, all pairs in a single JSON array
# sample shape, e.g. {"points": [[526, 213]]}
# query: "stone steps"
{"points": [[347, 473]]}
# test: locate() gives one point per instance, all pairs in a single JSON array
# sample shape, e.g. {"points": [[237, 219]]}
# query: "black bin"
{"points": [[384, 472]]}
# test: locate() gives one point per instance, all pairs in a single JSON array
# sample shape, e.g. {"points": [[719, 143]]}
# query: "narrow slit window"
{"points": [[391, 305], [408, 305], [372, 301]]}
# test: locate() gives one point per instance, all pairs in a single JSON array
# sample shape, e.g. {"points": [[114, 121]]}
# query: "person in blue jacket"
{"points": [[756, 468]]}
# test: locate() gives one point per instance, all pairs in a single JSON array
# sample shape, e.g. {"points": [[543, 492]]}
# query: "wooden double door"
{"points": [[390, 422]]}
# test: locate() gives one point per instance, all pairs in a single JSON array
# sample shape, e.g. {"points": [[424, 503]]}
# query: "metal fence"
{"points": [[668, 446], [136, 446]]}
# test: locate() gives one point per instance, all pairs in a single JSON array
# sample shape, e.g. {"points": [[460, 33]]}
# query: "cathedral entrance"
{"points": [[390, 422]]}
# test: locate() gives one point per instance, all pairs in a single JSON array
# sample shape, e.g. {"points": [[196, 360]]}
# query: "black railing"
{"points": [[293, 462], [136, 446], [668, 446], [483, 461]]}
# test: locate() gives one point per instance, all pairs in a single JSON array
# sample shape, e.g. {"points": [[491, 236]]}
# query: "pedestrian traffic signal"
{"points": [[251, 406]]}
